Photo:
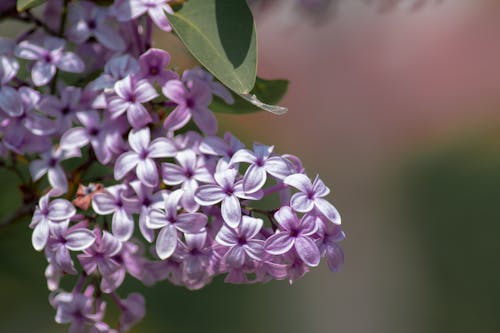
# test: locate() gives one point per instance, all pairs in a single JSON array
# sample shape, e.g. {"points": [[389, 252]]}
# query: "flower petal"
{"points": [[79, 239], [327, 210], [279, 243], [125, 163], [231, 211], [301, 203], [299, 181], [166, 242], [40, 235], [122, 225], [208, 195], [307, 251], [147, 172]]}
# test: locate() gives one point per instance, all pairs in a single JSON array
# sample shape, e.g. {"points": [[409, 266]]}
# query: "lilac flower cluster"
{"points": [[179, 203]]}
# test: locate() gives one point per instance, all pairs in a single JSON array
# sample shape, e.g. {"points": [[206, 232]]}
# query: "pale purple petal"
{"points": [[147, 172], [227, 237], [235, 256], [157, 219], [159, 17], [191, 222], [103, 203], [122, 225], [74, 138], [70, 62], [138, 116], [57, 178], [301, 203], [327, 210], [279, 243], [334, 257], [172, 174], [320, 188], [231, 211], [125, 163], [166, 242], [255, 249], [307, 251], [29, 51], [250, 226], [144, 91], [40, 235], [79, 239], [42, 73], [175, 91], [286, 218], [60, 210], [255, 177], [278, 167], [162, 147], [243, 155], [300, 182], [117, 106], [205, 120], [208, 195], [111, 246], [38, 168], [10, 101], [177, 118]]}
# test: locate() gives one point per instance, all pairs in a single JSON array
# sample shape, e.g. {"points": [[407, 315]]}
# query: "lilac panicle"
{"points": [[163, 202]]}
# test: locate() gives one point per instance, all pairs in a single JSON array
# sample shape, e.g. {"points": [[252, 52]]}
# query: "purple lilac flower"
{"points": [[147, 201], [112, 201], [117, 68], [48, 58], [331, 234], [100, 255], [217, 88], [130, 94], [86, 20], [242, 242], [196, 260], [153, 65], [65, 108], [311, 196], [261, 163], [133, 310], [227, 189], [192, 101], [189, 171], [48, 213], [95, 131], [170, 222], [50, 164], [142, 155], [126, 10], [78, 310], [8, 70], [294, 233], [27, 122], [64, 239]]}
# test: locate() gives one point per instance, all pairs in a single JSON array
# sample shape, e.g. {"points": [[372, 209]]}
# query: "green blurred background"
{"points": [[399, 112]]}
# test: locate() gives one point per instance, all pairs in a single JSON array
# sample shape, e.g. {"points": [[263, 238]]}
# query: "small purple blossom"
{"points": [[48, 213], [153, 65], [142, 155], [169, 221], [192, 101], [48, 58], [112, 201], [126, 10], [86, 20], [242, 242], [130, 95], [311, 196], [228, 190], [294, 233]]}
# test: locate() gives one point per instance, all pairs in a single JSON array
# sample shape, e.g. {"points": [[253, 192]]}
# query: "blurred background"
{"points": [[398, 110]]}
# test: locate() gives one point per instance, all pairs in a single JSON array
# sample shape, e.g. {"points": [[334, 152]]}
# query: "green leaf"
{"points": [[221, 36], [267, 92], [23, 5]]}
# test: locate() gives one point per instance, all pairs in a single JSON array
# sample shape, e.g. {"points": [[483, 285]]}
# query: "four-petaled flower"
{"points": [[242, 241], [295, 233], [311, 196], [48, 59], [142, 155]]}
